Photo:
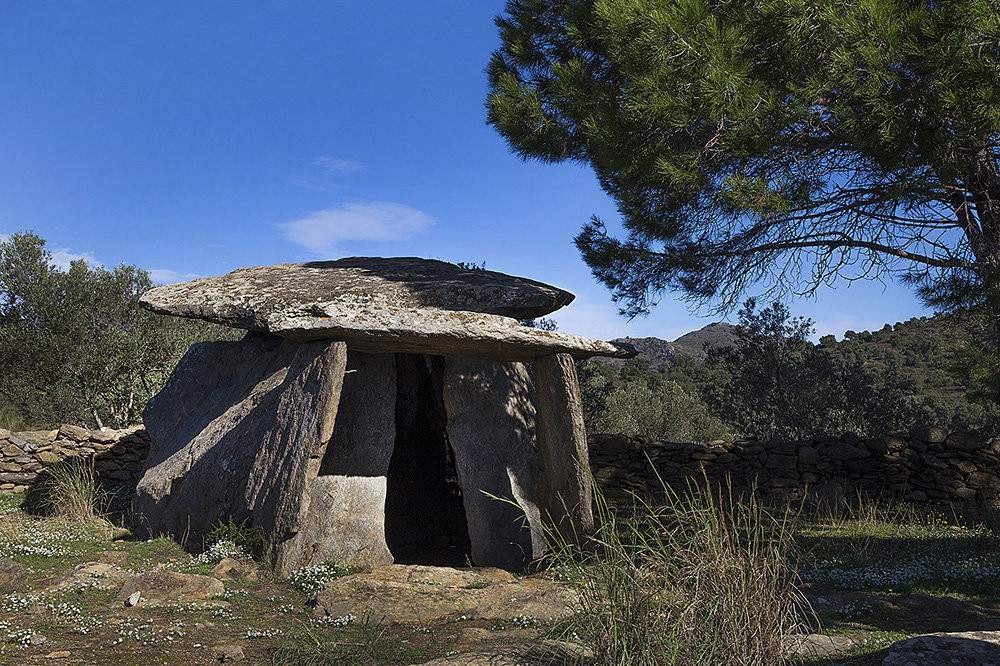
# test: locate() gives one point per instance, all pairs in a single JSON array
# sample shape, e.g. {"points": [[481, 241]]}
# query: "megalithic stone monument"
{"points": [[377, 410]]}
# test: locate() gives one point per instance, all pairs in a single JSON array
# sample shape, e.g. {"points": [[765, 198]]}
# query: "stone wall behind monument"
{"points": [[926, 465], [118, 455]]}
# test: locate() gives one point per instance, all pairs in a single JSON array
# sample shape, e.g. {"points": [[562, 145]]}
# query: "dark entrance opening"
{"points": [[424, 515]]}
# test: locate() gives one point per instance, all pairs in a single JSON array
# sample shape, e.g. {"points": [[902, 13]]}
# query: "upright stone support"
{"points": [[238, 433], [562, 447], [344, 504], [491, 430]]}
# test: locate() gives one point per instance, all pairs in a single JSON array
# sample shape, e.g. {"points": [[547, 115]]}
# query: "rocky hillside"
{"points": [[719, 334], [661, 353]]}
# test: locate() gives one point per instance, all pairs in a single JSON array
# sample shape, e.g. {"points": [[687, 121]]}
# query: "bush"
{"points": [[701, 579], [75, 346], [243, 535], [639, 401]]}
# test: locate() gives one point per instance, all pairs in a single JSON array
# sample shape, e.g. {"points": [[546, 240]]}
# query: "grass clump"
{"points": [[365, 642], [696, 579], [71, 490]]}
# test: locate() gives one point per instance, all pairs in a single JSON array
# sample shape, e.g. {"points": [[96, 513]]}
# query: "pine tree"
{"points": [[774, 144]]}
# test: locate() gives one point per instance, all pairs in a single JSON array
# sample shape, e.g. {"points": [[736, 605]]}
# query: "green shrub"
{"points": [[639, 401], [244, 535]]}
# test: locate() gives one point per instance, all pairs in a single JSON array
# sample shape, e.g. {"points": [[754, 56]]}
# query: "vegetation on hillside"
{"points": [[75, 347], [770, 381]]}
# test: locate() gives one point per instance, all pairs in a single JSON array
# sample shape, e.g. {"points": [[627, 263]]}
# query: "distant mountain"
{"points": [[661, 353], [693, 344]]}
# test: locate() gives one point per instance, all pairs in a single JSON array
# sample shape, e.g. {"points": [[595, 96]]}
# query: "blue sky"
{"points": [[192, 138]]}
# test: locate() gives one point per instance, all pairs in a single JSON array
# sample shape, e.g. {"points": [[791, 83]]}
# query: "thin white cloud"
{"points": [[322, 231], [62, 257], [167, 276], [325, 173], [335, 165]]}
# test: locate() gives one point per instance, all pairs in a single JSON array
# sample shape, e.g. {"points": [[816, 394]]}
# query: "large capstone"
{"points": [[400, 304]]}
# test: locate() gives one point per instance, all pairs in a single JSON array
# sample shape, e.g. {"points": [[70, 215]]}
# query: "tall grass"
{"points": [[697, 578], [70, 490]]}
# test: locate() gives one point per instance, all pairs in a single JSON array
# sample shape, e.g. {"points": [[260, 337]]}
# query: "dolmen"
{"points": [[378, 410]]}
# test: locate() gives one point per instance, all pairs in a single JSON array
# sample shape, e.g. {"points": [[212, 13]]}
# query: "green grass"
{"points": [[360, 642], [902, 549]]}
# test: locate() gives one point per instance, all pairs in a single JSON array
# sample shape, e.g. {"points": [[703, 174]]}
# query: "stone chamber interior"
{"points": [[425, 520]]}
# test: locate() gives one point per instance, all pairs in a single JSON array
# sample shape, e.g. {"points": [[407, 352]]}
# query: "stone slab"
{"points": [[491, 428], [236, 433], [345, 515], [414, 593], [562, 448], [405, 305], [969, 648]]}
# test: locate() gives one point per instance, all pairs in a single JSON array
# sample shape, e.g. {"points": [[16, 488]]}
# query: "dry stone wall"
{"points": [[924, 465], [118, 455]]}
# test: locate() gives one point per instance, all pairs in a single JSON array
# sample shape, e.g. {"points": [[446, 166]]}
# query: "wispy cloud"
{"points": [[322, 231], [325, 173], [335, 165], [62, 257], [167, 276]]}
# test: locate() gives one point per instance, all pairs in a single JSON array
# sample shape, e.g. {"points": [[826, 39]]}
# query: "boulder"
{"points": [[809, 456], [965, 441], [12, 576], [91, 574], [491, 428], [413, 593], [929, 435], [814, 646], [231, 569], [376, 305], [535, 653], [75, 433], [347, 496], [968, 648], [562, 448]]}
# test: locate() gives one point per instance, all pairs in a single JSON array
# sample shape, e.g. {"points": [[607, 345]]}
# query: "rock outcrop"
{"points": [[426, 594]]}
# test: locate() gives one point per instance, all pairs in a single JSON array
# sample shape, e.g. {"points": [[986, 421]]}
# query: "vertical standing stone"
{"points": [[562, 447], [237, 434], [344, 506], [491, 430]]}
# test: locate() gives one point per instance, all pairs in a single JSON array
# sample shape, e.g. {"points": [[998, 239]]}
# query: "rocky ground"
{"points": [[90, 593], [72, 592]]}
